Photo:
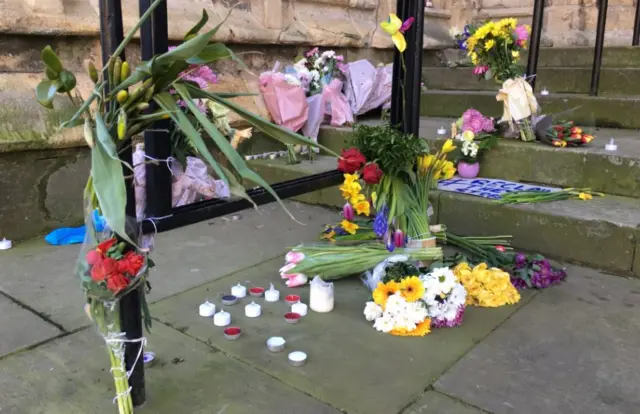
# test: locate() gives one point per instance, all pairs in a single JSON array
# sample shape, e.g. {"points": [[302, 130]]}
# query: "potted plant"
{"points": [[468, 165]]}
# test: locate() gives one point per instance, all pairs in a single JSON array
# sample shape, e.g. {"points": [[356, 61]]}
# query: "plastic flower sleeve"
{"points": [[361, 76], [372, 278]]}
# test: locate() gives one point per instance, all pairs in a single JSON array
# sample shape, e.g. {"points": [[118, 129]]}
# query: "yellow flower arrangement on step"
{"points": [[486, 287]]}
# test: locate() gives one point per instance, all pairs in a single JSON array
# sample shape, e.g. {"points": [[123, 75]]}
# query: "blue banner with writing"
{"points": [[488, 187]]}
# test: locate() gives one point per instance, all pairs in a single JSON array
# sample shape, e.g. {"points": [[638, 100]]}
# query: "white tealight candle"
{"points": [[611, 146], [299, 308], [252, 310], [544, 92], [442, 131], [207, 309], [5, 244], [222, 318], [271, 295], [239, 291]]}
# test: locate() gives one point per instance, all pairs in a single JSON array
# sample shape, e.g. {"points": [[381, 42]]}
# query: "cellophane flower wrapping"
{"points": [[110, 267]]}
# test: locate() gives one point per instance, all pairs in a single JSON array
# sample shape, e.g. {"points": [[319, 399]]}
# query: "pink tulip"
{"points": [[286, 269], [398, 238], [347, 212], [479, 70], [294, 257], [296, 280]]}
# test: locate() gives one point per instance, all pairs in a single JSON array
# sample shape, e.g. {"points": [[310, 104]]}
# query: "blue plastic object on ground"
{"points": [[73, 235]]}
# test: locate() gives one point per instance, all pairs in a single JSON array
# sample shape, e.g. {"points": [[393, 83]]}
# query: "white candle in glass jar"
{"points": [[239, 291], [321, 295]]}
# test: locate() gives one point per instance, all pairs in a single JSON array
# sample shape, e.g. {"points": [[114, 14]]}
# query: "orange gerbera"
{"points": [[383, 291], [422, 329]]}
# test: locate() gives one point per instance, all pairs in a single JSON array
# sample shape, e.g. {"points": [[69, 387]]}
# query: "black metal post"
{"points": [[397, 88], [413, 61], [154, 40], [597, 55], [534, 42], [111, 35], [636, 26]]}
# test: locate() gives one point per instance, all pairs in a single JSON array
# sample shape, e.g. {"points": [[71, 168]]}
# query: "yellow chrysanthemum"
{"points": [[422, 329], [489, 44], [515, 54], [363, 207], [412, 288], [383, 291], [349, 227], [585, 196]]}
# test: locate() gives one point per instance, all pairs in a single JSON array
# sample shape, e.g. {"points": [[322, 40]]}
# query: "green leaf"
{"points": [[104, 136], [167, 103], [225, 147], [45, 92], [51, 75], [84, 107], [187, 49], [210, 53], [108, 182], [67, 81], [50, 59], [195, 29], [274, 131], [170, 75]]}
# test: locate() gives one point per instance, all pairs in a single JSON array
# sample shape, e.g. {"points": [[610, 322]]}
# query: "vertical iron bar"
{"points": [[111, 35], [397, 101], [534, 43], [413, 61], [636, 26], [597, 55], [154, 39]]}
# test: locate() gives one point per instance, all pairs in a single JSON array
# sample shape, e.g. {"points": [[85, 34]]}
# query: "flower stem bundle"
{"points": [[522, 197]]}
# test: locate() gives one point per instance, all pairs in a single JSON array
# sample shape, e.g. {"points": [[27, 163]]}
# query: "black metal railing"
{"points": [[536, 32]]}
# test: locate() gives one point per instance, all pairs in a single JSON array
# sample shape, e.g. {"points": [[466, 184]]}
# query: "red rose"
{"points": [[560, 135], [371, 174], [93, 257], [130, 263], [351, 160], [559, 128], [116, 282], [98, 272], [105, 246]]}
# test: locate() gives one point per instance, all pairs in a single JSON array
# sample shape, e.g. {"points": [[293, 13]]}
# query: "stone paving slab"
{"points": [[31, 328], [573, 349], [350, 366], [71, 376], [433, 402], [41, 276]]}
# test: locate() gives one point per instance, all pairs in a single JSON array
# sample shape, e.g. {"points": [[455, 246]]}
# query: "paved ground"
{"points": [[569, 349]]}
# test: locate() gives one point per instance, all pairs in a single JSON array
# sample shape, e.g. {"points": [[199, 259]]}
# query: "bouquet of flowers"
{"points": [[445, 298], [495, 47], [469, 152], [397, 308], [535, 271], [566, 133], [486, 287], [316, 69]]}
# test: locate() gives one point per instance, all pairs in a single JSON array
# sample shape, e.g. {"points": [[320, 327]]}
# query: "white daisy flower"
{"points": [[372, 311]]}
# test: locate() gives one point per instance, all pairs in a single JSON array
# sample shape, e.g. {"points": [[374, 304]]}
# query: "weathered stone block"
{"points": [[63, 192]]}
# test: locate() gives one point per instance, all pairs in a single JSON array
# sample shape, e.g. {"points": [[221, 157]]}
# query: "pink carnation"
{"points": [[522, 33], [311, 52], [444, 323]]}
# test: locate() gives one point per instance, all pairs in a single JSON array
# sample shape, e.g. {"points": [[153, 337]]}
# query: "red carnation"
{"points": [[101, 270], [131, 263], [351, 160], [105, 246], [116, 282], [371, 174]]}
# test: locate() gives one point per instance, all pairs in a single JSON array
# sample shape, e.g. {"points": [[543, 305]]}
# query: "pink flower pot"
{"points": [[466, 170]]}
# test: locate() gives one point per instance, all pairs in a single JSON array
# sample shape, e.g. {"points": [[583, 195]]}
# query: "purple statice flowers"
{"points": [[443, 323], [474, 121]]}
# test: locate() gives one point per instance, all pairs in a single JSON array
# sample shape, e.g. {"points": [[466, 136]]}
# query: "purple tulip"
{"points": [[520, 260], [347, 212], [398, 238], [388, 239]]}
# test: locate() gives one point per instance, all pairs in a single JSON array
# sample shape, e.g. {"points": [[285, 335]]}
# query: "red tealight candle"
{"points": [[232, 333], [256, 291], [292, 317], [291, 299]]}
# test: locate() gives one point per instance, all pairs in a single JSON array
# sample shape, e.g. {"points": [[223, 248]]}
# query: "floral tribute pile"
{"points": [[112, 267], [567, 134]]}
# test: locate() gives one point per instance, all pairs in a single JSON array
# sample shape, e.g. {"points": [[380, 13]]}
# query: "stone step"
{"points": [[613, 81], [602, 233], [615, 112], [612, 57], [616, 173]]}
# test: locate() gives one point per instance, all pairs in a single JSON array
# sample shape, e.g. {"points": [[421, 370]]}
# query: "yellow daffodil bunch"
{"points": [[437, 166], [494, 48], [356, 203], [486, 287]]}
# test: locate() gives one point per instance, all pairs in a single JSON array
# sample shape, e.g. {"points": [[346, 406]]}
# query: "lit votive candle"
{"points": [[271, 295], [442, 131], [252, 310], [5, 244], [222, 318], [239, 291], [207, 309], [299, 308], [544, 92], [611, 146]]}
